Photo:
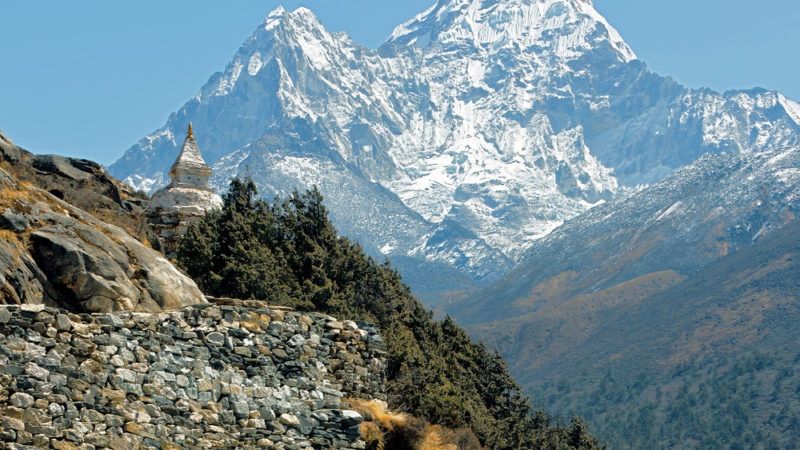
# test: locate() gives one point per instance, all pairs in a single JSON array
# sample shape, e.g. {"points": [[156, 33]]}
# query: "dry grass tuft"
{"points": [[440, 438], [383, 429], [13, 239]]}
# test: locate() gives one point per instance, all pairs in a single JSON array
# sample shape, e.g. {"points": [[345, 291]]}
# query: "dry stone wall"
{"points": [[203, 376]]}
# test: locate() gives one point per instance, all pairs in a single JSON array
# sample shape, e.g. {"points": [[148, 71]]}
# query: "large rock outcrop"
{"points": [[8, 148], [83, 184], [54, 253]]}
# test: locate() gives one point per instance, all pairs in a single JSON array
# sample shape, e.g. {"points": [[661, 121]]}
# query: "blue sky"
{"points": [[90, 78]]}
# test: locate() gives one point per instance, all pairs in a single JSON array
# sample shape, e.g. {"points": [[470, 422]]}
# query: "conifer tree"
{"points": [[289, 253]]}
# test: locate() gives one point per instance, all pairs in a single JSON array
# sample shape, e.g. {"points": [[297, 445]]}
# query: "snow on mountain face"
{"points": [[562, 29], [717, 205], [487, 149], [477, 128]]}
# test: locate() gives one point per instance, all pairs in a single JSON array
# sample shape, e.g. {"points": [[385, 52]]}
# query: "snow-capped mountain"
{"points": [[716, 206], [476, 129]]}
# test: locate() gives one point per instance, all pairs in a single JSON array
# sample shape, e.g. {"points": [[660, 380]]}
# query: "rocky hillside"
{"points": [[121, 393], [476, 129], [54, 253], [713, 359], [688, 274], [716, 206], [203, 376], [81, 183]]}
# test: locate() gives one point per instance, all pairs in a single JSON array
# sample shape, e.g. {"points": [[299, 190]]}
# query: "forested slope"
{"points": [[288, 252]]}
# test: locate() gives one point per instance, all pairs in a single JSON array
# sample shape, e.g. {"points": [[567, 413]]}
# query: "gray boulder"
{"points": [[9, 220], [74, 169], [20, 278], [8, 150], [64, 256]]}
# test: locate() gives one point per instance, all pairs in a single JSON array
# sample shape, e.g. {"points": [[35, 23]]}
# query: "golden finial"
{"points": [[190, 133]]}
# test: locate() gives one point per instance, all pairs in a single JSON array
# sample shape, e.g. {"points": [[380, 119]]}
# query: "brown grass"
{"points": [[631, 291], [383, 429], [559, 325], [556, 287], [12, 239]]}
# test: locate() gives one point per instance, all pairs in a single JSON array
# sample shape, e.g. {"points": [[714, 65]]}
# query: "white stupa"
{"points": [[188, 193], [185, 200]]}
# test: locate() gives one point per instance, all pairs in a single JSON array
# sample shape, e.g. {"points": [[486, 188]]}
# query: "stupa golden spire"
{"points": [[190, 133]]}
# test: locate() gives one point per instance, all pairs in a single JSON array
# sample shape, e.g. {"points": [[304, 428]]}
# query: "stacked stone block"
{"points": [[203, 376]]}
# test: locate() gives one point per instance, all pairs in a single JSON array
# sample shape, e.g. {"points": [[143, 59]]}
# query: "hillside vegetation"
{"points": [[731, 401], [722, 369], [288, 252], [689, 272]]}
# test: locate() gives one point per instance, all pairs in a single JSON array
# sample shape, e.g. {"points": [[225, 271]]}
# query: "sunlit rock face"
{"points": [[55, 254], [185, 200]]}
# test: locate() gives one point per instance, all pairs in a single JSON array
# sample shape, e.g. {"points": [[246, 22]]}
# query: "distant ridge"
{"points": [[694, 272]]}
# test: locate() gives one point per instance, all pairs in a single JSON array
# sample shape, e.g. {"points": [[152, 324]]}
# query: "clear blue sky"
{"points": [[89, 78]]}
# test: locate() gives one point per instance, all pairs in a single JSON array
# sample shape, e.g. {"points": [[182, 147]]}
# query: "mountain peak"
{"points": [[503, 118], [565, 28], [277, 12], [304, 12], [300, 16]]}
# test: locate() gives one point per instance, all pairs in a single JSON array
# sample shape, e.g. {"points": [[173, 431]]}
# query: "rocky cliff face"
{"points": [[476, 129], [54, 253], [203, 376]]}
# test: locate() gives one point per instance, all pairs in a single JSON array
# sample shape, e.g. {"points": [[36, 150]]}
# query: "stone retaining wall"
{"points": [[203, 376]]}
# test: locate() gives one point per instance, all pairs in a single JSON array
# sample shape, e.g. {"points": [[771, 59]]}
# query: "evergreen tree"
{"points": [[289, 253]]}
